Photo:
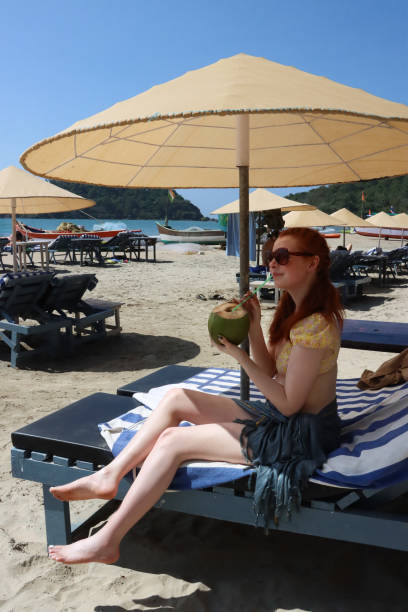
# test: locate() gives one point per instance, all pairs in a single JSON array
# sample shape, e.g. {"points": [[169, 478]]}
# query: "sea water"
{"points": [[147, 226]]}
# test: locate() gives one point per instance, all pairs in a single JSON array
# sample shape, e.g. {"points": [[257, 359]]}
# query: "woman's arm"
{"points": [[302, 372], [261, 355]]}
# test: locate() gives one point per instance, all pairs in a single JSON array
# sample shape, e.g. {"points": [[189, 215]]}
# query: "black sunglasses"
{"points": [[282, 255]]}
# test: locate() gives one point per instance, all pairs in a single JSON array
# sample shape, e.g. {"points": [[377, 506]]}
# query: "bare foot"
{"points": [[96, 486], [92, 549]]}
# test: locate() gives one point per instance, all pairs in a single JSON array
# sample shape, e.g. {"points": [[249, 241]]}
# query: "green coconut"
{"points": [[232, 324]]}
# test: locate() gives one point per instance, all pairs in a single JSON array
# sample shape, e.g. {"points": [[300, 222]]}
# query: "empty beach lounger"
{"points": [[63, 245], [90, 318], [343, 276], [349, 498], [40, 312], [24, 325]]}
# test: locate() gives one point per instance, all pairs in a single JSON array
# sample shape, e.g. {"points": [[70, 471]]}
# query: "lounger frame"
{"points": [[362, 516]]}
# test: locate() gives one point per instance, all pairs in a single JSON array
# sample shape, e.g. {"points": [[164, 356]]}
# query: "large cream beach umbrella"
{"points": [[280, 126], [24, 194]]}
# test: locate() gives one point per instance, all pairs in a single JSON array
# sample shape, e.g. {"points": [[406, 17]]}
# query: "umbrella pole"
{"points": [[258, 239], [13, 232], [243, 167]]}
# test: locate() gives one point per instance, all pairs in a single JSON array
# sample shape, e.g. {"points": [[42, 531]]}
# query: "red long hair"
{"points": [[323, 297]]}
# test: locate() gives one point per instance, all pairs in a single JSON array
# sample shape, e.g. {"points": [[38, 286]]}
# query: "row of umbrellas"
{"points": [[306, 215], [23, 193], [242, 122]]}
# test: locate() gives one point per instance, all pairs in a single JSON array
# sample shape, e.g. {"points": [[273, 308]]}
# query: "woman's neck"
{"points": [[298, 294]]}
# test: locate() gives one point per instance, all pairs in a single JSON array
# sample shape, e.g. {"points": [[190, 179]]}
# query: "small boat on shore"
{"points": [[191, 234], [26, 232], [383, 232], [330, 234]]}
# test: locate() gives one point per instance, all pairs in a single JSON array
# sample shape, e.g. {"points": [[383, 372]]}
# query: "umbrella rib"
{"points": [[333, 150], [290, 146], [366, 129], [141, 166], [401, 146], [147, 131], [158, 148], [76, 156], [163, 145], [312, 117], [344, 119], [397, 129]]}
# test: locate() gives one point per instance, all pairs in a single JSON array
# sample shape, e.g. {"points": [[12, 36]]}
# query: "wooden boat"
{"points": [[191, 234], [26, 232], [383, 232], [330, 234]]}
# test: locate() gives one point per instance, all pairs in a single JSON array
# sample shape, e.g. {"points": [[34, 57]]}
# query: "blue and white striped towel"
{"points": [[374, 441]]}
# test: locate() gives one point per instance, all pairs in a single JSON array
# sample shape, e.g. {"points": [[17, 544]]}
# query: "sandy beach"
{"points": [[173, 561]]}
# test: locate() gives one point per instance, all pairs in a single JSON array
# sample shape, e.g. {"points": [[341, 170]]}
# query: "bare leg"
{"points": [[210, 442], [176, 406]]}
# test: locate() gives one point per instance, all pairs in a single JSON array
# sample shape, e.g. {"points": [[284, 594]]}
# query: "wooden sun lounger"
{"points": [[42, 314], [383, 336], [66, 445]]}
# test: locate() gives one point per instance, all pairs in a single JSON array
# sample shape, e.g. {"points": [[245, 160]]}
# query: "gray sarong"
{"points": [[285, 452]]}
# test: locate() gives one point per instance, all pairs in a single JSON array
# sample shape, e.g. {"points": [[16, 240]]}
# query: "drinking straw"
{"points": [[268, 278]]}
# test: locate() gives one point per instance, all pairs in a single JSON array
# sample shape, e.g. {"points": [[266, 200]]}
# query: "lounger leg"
{"points": [[57, 519], [14, 348]]}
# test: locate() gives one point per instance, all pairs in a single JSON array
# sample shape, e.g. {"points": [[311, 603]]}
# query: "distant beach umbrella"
{"points": [[24, 194], [280, 126], [310, 218], [402, 219], [262, 200], [384, 221], [350, 220]]}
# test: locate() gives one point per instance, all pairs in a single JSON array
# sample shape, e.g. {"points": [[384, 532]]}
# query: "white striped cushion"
{"points": [[374, 441]]}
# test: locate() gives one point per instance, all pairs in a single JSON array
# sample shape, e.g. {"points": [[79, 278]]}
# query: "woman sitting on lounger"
{"points": [[285, 438]]}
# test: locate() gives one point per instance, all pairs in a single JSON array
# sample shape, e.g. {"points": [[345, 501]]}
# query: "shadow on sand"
{"points": [[236, 567], [125, 353]]}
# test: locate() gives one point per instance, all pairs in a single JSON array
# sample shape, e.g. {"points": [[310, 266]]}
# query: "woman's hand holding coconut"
{"points": [[231, 349]]}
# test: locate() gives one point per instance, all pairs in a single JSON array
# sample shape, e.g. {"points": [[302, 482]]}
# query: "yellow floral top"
{"points": [[312, 332]]}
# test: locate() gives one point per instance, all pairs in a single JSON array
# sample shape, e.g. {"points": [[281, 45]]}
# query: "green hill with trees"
{"points": [[380, 194], [118, 203]]}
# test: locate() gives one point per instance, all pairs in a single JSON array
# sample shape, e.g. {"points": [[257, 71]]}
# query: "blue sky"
{"points": [[63, 60]]}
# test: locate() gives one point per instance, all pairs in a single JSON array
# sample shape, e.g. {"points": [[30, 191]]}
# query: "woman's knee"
{"points": [[177, 401], [169, 442]]}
